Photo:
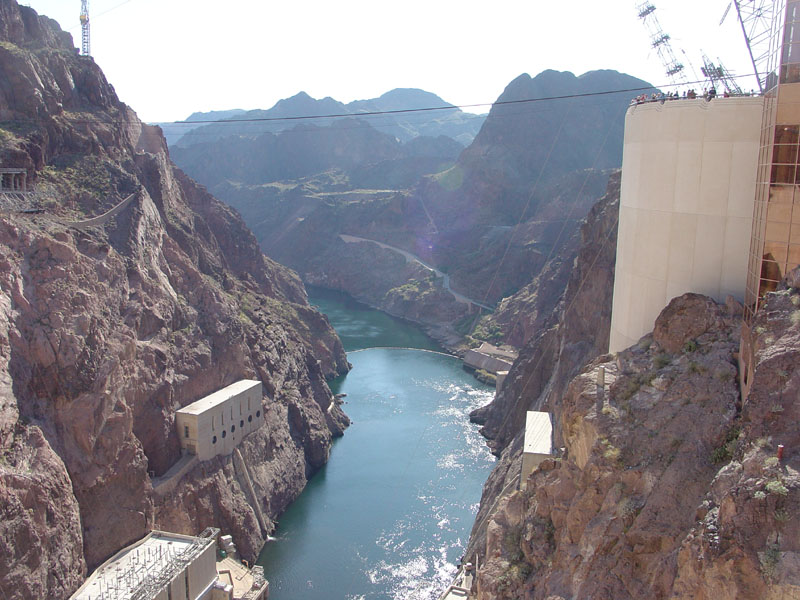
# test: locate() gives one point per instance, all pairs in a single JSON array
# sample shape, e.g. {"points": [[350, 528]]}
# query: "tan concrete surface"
{"points": [[217, 423], [686, 207]]}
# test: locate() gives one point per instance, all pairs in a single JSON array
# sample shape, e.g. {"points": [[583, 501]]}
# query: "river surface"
{"points": [[389, 516]]}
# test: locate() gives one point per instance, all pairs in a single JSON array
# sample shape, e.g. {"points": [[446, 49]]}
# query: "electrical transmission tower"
{"points": [[720, 76], [760, 26], [85, 48], [660, 41]]}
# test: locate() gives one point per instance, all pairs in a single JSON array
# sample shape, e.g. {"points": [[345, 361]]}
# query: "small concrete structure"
{"points": [[500, 378], [462, 584], [14, 180], [244, 583], [489, 358], [686, 207], [538, 443], [216, 424]]}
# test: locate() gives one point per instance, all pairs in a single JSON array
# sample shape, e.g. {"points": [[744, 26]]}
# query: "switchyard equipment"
{"points": [[85, 46]]}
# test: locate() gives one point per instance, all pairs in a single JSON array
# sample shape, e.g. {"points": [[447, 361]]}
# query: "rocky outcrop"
{"points": [[574, 332], [669, 487], [40, 526], [745, 542], [106, 331]]}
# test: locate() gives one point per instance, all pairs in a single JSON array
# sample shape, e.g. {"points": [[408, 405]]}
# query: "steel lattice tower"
{"points": [[85, 47], [720, 76], [660, 41]]}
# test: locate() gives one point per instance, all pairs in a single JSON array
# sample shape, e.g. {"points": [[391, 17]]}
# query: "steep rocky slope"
{"points": [[349, 145], [670, 486], [525, 314], [106, 330], [566, 335]]}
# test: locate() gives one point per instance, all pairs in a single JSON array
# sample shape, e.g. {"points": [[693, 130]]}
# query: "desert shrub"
{"points": [[724, 453], [661, 360], [776, 487], [770, 559]]}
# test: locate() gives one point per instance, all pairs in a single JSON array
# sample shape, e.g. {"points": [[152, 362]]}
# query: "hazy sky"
{"points": [[169, 58]]}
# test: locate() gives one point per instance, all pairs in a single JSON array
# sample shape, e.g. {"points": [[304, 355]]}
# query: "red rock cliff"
{"points": [[106, 331], [670, 486]]}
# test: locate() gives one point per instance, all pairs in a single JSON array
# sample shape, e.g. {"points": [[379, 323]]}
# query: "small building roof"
{"points": [[125, 573], [492, 350], [538, 433], [218, 397]]}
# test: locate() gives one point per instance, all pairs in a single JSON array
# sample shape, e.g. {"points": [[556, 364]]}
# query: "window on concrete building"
{"points": [[186, 431], [241, 423], [214, 440], [212, 422], [250, 418], [224, 433], [258, 414]]}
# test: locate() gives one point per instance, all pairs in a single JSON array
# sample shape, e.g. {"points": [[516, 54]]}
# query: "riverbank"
{"points": [[444, 337]]}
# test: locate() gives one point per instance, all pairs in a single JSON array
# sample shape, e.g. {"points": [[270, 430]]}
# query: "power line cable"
{"points": [[438, 108], [397, 111]]}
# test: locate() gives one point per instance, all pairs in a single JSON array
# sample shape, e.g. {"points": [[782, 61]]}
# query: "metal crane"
{"points": [[85, 47]]}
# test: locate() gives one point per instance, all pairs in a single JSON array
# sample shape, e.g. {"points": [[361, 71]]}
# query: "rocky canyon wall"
{"points": [[567, 335], [106, 331], [667, 484], [669, 487]]}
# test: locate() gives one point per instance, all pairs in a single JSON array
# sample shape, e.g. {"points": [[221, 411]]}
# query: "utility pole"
{"points": [[85, 47]]}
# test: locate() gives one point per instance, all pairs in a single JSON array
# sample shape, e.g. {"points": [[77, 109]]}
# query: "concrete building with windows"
{"points": [[538, 444], [216, 424]]}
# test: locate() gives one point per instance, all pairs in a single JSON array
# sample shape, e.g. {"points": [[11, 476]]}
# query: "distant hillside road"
{"points": [[351, 239]]}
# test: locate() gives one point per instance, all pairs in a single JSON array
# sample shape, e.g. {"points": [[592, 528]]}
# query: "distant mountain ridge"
{"points": [[289, 112], [489, 215], [173, 131]]}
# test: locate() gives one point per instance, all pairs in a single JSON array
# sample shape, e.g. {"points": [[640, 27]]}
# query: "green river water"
{"points": [[390, 514]]}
